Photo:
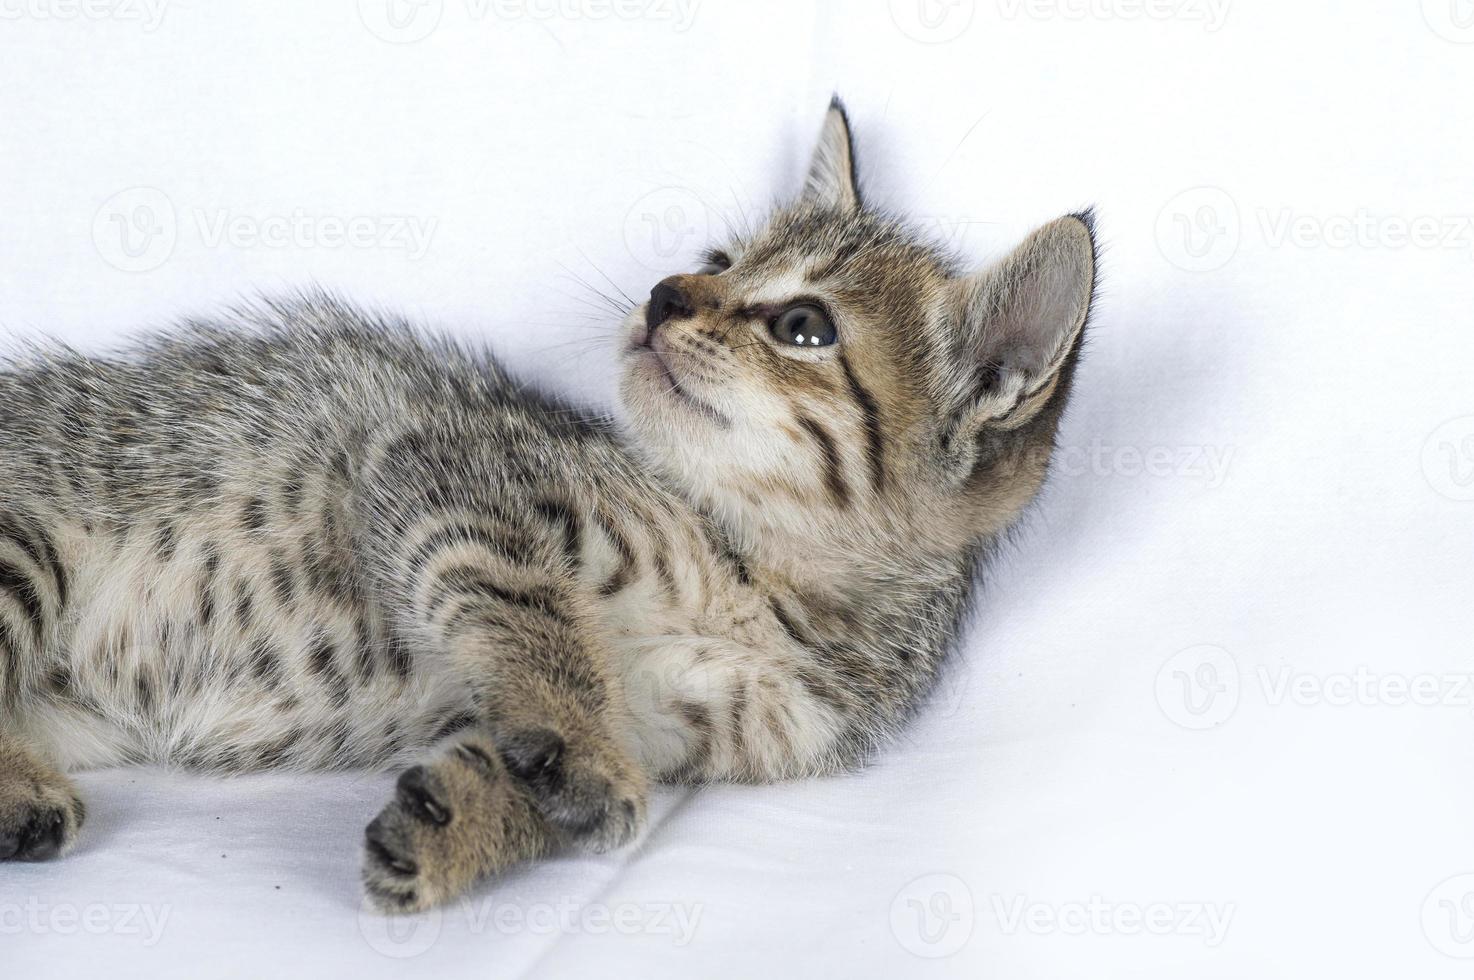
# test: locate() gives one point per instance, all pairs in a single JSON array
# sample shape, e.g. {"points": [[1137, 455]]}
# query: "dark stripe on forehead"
{"points": [[839, 491], [870, 415]]}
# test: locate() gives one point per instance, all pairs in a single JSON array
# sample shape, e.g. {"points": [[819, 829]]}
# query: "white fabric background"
{"points": [[1061, 765]]}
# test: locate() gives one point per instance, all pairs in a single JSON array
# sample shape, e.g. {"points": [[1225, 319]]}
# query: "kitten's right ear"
{"points": [[832, 181], [1017, 323]]}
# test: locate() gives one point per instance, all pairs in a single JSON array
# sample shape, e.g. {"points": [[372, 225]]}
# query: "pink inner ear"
{"points": [[1028, 307]]}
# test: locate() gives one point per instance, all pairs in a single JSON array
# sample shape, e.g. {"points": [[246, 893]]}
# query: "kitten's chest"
{"points": [[655, 574]]}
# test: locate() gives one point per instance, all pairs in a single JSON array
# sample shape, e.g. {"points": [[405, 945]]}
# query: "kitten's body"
{"points": [[217, 603], [307, 539]]}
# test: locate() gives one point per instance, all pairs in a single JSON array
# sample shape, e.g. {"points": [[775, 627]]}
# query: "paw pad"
{"points": [[39, 835], [381, 845]]}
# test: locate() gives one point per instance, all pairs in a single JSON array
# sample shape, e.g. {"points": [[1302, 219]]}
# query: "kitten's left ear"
{"points": [[1018, 322], [832, 181]]}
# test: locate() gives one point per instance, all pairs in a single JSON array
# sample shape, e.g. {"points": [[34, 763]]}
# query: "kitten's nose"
{"points": [[667, 300]]}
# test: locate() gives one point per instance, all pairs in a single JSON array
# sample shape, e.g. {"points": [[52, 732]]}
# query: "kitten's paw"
{"points": [[451, 822], [40, 816], [589, 791]]}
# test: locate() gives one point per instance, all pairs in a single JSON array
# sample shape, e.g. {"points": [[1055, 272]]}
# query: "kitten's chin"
{"points": [[650, 380]]}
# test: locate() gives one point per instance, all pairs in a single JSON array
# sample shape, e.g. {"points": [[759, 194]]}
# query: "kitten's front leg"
{"points": [[545, 770], [522, 642], [488, 587]]}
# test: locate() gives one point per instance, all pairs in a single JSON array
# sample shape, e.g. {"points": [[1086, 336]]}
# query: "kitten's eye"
{"points": [[716, 264], [804, 326]]}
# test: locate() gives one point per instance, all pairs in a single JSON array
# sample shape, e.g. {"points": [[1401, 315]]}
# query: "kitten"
{"points": [[318, 539]]}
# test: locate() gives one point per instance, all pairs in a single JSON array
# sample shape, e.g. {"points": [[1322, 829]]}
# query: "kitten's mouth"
{"points": [[673, 386]]}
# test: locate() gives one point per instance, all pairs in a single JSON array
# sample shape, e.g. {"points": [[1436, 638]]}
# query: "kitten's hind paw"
{"points": [[40, 816], [451, 822]]}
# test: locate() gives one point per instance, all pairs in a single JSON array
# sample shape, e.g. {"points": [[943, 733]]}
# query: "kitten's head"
{"points": [[837, 373]]}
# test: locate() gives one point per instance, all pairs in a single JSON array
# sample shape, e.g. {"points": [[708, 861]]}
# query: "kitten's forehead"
{"points": [[816, 244]]}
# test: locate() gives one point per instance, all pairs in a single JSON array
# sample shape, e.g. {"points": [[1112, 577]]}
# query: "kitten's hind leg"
{"points": [[452, 822], [40, 811]]}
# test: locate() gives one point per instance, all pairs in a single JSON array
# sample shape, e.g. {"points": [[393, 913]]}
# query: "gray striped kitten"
{"points": [[311, 538]]}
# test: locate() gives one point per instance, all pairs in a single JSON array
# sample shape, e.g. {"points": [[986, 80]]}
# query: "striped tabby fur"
{"points": [[313, 538]]}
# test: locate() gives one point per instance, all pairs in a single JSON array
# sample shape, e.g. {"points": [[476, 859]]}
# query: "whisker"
{"points": [[611, 282], [614, 304], [584, 344], [976, 123], [590, 304]]}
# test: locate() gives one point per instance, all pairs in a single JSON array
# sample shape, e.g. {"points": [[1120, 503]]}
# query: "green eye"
{"points": [[804, 325]]}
